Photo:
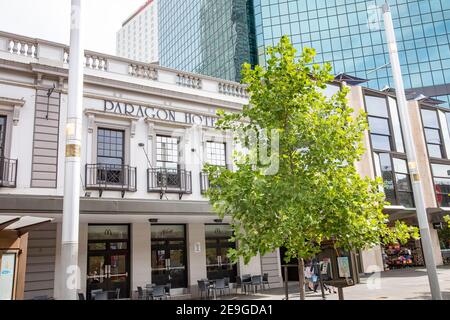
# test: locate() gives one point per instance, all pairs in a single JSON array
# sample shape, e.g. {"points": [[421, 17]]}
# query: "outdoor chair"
{"points": [[141, 294], [246, 282], [118, 293], [159, 292], [265, 281], [81, 296], [227, 284], [256, 281], [219, 285], [167, 288], [101, 296], [238, 284], [95, 292], [203, 287]]}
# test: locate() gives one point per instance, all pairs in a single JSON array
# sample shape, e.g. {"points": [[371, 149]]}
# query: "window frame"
{"points": [[441, 137]]}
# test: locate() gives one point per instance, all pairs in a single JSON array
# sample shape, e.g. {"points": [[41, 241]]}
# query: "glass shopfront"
{"points": [[109, 259], [169, 255], [218, 265]]}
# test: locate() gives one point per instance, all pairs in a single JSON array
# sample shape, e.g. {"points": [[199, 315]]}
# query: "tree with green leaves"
{"points": [[316, 194]]}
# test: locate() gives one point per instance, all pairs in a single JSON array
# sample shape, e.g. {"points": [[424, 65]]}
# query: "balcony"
{"points": [[110, 177], [8, 173], [164, 180], [204, 182]]}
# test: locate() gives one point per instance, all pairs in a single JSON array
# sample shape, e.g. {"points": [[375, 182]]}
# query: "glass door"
{"points": [[218, 265], [169, 255], [108, 260]]}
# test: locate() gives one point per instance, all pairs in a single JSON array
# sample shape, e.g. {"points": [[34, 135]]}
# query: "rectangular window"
{"points": [[441, 178], [396, 179], [379, 125], [167, 152], [432, 131], [215, 153], [110, 156]]}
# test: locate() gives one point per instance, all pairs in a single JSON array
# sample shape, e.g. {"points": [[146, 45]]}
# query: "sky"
{"points": [[50, 20]]}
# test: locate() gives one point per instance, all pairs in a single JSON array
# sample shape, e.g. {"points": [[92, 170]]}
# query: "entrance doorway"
{"points": [[169, 255], [218, 265], [109, 259]]}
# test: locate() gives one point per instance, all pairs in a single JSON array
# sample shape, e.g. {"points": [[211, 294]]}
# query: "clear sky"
{"points": [[50, 20]]}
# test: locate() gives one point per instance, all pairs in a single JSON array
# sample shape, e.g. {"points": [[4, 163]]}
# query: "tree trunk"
{"points": [[301, 277]]}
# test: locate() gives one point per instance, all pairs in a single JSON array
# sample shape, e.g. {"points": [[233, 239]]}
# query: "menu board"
{"points": [[7, 270], [343, 267]]}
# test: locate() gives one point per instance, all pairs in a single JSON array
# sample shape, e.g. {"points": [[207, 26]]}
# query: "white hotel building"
{"points": [[138, 37], [147, 132]]}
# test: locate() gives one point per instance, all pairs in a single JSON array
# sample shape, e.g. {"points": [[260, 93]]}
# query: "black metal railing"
{"points": [[204, 182], [8, 172], [164, 180], [110, 177]]}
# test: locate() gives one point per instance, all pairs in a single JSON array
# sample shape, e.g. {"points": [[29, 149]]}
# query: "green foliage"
{"points": [[316, 194]]}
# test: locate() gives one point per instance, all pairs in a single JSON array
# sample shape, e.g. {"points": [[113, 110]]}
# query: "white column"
{"points": [[141, 271], [196, 253], [71, 204]]}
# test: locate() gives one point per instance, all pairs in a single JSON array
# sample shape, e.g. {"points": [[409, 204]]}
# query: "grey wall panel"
{"points": [[46, 137], [39, 276]]}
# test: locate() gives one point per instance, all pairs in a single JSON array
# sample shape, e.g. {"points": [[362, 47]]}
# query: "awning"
{"points": [[21, 224], [351, 80]]}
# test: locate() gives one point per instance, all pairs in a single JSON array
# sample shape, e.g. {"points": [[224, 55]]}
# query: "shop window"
{"points": [[433, 135]]}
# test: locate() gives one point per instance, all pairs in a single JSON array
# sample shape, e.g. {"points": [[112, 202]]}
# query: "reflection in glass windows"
{"points": [[378, 117], [396, 179], [441, 177], [432, 131]]}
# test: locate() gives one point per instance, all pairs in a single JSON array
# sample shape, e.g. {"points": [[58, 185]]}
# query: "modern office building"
{"points": [[147, 133], [207, 37], [347, 33], [138, 37]]}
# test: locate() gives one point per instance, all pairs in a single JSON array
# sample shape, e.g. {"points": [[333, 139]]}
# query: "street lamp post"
{"points": [[411, 156], [71, 205]]}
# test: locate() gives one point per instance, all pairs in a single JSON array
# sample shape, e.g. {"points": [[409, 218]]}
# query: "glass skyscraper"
{"points": [[350, 35], [207, 37]]}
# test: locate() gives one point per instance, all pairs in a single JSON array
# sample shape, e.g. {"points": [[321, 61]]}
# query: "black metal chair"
{"points": [[227, 284], [256, 281], [167, 288], [159, 292], [141, 294], [203, 287], [246, 282], [117, 293], [101, 296], [238, 284], [95, 292], [81, 296], [219, 286], [265, 281]]}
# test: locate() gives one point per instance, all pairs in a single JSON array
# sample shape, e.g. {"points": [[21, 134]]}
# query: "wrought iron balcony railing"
{"points": [[110, 177], [204, 182], [164, 180], [8, 172]]}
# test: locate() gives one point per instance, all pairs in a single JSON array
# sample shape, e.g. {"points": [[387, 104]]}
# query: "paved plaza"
{"points": [[406, 284]]}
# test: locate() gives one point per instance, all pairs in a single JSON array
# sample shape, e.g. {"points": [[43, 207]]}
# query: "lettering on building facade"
{"points": [[158, 113]]}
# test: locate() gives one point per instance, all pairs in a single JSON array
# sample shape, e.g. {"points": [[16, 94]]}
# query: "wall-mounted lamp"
{"points": [[218, 220], [153, 220]]}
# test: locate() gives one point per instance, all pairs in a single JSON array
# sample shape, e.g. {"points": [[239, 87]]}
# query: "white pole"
{"points": [[411, 156], [71, 206]]}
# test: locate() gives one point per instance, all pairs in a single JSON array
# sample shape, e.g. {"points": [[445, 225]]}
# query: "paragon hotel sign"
{"points": [[158, 113]]}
